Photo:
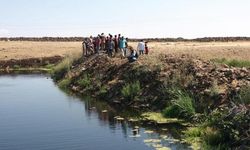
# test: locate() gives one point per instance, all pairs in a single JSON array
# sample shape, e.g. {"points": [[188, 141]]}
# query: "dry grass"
{"points": [[207, 51], [210, 50], [22, 50]]}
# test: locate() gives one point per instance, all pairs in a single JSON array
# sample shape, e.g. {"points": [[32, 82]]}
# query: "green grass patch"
{"points": [[193, 136], [233, 62]]}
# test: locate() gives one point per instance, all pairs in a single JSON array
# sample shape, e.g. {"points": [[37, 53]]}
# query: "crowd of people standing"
{"points": [[113, 45]]}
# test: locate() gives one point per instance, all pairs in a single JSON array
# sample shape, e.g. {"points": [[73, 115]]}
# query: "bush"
{"points": [[85, 82], [171, 111], [181, 107], [103, 91], [232, 124], [131, 91]]}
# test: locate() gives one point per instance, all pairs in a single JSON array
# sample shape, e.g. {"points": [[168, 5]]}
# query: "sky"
{"points": [[132, 18]]}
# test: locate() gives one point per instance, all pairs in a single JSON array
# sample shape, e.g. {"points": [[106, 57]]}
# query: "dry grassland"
{"points": [[210, 50]]}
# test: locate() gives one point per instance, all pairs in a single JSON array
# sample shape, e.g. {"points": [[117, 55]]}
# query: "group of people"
{"points": [[113, 45]]}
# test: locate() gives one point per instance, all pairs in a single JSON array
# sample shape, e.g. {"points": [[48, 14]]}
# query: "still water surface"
{"points": [[36, 115]]}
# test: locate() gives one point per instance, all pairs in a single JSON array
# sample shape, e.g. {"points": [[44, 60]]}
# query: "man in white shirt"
{"points": [[141, 47]]}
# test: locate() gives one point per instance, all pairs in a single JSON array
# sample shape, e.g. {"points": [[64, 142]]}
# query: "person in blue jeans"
{"points": [[111, 46], [133, 56]]}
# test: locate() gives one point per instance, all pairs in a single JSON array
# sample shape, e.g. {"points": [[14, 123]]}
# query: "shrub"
{"points": [[131, 91], [103, 91], [212, 136], [232, 125], [85, 82], [171, 111]]}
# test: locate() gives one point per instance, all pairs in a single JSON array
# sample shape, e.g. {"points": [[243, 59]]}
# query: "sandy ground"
{"points": [[229, 50]]}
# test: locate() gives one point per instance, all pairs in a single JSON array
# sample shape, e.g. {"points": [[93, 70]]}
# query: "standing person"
{"points": [[103, 41], [111, 46], [94, 44], [126, 47], [116, 44], [91, 45], [141, 47], [146, 48], [84, 48], [122, 46], [119, 39], [106, 45], [97, 44]]}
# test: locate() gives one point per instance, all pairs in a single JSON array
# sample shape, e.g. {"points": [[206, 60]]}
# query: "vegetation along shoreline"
{"points": [[212, 97]]}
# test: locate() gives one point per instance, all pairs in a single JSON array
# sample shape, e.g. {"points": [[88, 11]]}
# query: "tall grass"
{"points": [[181, 107], [233, 62], [59, 71]]}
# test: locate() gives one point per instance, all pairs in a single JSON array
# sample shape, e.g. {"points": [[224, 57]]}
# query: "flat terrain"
{"points": [[210, 50], [24, 50], [204, 50]]}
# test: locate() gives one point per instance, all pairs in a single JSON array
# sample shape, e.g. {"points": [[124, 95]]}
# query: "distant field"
{"points": [[205, 50], [24, 50], [210, 50]]}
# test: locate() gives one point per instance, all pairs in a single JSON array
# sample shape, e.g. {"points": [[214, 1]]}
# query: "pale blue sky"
{"points": [[133, 18]]}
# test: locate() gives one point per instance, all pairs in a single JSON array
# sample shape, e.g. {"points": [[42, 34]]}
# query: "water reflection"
{"points": [[153, 136]]}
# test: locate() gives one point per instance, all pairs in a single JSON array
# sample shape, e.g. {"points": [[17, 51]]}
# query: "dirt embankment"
{"points": [[29, 62], [211, 85]]}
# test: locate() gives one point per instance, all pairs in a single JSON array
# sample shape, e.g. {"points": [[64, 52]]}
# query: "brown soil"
{"points": [[200, 77], [29, 62]]}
